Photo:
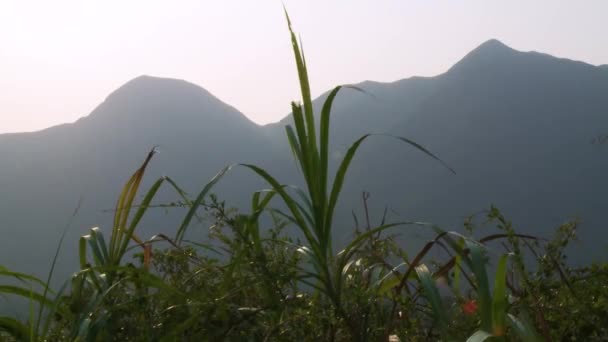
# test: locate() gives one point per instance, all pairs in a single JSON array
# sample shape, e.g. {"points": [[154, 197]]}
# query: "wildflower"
{"points": [[469, 307]]}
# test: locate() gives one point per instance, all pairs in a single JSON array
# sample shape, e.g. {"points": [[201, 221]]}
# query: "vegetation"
{"points": [[251, 280]]}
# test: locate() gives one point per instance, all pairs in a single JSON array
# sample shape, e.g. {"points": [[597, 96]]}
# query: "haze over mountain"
{"points": [[516, 126]]}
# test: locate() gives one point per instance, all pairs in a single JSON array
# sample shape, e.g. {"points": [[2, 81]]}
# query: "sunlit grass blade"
{"points": [[123, 209], [137, 217]]}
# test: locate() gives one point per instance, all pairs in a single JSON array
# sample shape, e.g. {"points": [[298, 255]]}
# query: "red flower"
{"points": [[469, 307]]}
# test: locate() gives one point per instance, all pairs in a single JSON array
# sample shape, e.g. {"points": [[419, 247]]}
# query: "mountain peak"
{"points": [[150, 85], [489, 50], [492, 45], [163, 99], [490, 54]]}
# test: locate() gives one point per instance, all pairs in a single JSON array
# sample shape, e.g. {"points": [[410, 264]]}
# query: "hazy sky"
{"points": [[59, 59]]}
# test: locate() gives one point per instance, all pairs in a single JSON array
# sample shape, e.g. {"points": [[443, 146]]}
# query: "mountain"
{"points": [[44, 174], [518, 128]]}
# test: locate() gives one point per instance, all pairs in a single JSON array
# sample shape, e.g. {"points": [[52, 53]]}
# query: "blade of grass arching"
{"points": [[25, 293], [499, 303], [199, 199], [14, 328], [478, 263], [22, 277], [432, 295], [343, 168], [422, 149]]}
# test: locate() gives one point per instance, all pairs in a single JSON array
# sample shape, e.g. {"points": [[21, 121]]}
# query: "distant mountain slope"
{"points": [[45, 173], [516, 126]]}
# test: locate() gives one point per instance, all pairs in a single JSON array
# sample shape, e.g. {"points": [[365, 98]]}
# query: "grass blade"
{"points": [[432, 295], [199, 199], [478, 264], [15, 328], [499, 303]]}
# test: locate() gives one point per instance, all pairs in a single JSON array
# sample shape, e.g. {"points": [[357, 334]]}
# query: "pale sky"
{"points": [[59, 58]]}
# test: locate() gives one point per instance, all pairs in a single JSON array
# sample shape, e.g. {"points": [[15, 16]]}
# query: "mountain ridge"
{"points": [[517, 134], [147, 85]]}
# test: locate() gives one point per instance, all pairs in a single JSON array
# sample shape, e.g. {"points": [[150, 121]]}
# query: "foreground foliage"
{"points": [[252, 279]]}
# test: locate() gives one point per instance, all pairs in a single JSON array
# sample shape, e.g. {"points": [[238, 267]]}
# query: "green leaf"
{"points": [[199, 199], [478, 264], [305, 90], [523, 329], [23, 277], [499, 303], [123, 207], [15, 328], [432, 294], [25, 293]]}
